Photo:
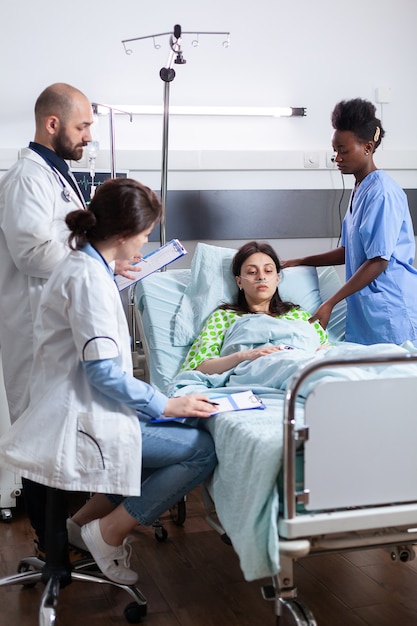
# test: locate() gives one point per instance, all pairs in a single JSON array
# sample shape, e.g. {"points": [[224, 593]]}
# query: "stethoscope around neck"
{"points": [[68, 193]]}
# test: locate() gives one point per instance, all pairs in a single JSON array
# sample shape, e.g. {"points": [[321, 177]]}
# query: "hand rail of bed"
{"points": [[289, 412]]}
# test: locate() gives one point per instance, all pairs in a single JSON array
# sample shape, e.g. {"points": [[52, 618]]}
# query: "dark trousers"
{"points": [[35, 501]]}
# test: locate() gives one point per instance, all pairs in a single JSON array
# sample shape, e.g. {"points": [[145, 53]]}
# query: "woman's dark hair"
{"points": [[358, 116], [276, 306], [120, 206]]}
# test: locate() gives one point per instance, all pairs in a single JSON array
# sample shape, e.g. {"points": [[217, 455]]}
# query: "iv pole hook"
{"points": [[167, 74]]}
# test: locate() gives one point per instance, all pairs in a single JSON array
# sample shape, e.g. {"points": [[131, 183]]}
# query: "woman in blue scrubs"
{"points": [[377, 243]]}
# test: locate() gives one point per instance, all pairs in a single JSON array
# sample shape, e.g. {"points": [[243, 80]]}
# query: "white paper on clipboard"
{"points": [[153, 262], [236, 402]]}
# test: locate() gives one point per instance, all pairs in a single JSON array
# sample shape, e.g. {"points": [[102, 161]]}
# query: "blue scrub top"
{"points": [[379, 225]]}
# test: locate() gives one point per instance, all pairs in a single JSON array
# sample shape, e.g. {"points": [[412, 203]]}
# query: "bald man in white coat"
{"points": [[35, 196]]}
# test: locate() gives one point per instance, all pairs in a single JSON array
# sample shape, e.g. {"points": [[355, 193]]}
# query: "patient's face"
{"points": [[258, 277]]}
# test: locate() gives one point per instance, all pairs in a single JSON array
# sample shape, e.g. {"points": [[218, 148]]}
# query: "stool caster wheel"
{"points": [[24, 567], [134, 612]]}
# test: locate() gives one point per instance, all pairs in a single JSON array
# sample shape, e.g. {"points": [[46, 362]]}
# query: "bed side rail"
{"points": [[291, 435]]}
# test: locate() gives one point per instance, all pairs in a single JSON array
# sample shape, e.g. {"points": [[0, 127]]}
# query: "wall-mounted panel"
{"points": [[259, 214]]}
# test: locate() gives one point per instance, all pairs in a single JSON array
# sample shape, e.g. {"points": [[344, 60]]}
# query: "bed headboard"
{"points": [[172, 306]]}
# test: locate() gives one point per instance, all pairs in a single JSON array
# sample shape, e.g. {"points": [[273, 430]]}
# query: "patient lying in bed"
{"points": [[281, 325], [245, 346], [226, 357]]}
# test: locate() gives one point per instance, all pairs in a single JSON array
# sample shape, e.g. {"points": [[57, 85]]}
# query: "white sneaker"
{"points": [[113, 561], [74, 535]]}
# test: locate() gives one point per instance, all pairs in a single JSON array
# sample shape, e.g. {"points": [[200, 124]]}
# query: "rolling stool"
{"points": [[57, 572]]}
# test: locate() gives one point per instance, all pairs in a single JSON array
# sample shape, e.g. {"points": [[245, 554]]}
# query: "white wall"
{"points": [[302, 53]]}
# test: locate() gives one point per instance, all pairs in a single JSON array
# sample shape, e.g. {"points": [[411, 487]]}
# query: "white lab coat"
{"points": [[72, 436], [33, 237]]}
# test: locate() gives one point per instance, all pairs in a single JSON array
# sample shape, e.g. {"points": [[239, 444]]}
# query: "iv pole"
{"points": [[167, 74]]}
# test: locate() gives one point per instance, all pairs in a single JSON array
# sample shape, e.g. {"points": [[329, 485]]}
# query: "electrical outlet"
{"points": [[383, 95], [311, 160], [330, 162]]}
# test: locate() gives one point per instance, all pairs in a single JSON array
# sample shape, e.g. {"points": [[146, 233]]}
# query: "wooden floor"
{"points": [[194, 579]]}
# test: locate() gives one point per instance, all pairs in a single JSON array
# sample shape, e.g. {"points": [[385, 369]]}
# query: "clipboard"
{"points": [[153, 262], [240, 401]]}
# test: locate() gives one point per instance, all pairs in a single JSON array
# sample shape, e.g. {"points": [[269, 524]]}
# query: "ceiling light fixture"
{"points": [[209, 111]]}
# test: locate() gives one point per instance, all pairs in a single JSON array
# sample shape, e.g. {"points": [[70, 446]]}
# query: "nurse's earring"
{"points": [[368, 148]]}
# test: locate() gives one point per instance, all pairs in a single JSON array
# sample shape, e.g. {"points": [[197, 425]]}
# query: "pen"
{"points": [[210, 402]]}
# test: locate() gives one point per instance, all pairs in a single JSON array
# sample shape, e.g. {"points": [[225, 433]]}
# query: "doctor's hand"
{"points": [[127, 269], [189, 406], [322, 315]]}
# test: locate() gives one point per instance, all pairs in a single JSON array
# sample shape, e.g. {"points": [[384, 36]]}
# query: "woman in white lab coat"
{"points": [[81, 430]]}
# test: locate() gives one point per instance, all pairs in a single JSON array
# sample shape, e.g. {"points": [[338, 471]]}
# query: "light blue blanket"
{"points": [[249, 443]]}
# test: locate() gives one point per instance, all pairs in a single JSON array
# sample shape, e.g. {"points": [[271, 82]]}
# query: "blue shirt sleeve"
{"points": [[109, 378]]}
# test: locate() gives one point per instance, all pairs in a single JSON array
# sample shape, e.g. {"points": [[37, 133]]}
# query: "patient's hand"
{"points": [[255, 353], [195, 405], [220, 364]]}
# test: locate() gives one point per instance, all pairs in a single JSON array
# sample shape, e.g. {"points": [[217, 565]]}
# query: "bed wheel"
{"points": [[402, 553], [161, 533], [178, 512], [294, 613]]}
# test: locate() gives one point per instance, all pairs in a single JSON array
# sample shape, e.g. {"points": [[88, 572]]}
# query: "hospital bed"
{"points": [[330, 463]]}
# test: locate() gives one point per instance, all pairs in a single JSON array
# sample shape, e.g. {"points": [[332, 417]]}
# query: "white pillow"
{"points": [[300, 285], [330, 282], [158, 298], [213, 283]]}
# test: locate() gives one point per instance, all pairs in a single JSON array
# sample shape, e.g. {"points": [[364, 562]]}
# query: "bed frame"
{"points": [[335, 504], [371, 503]]}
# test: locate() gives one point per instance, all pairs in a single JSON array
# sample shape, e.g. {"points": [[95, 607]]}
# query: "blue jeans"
{"points": [[175, 459]]}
